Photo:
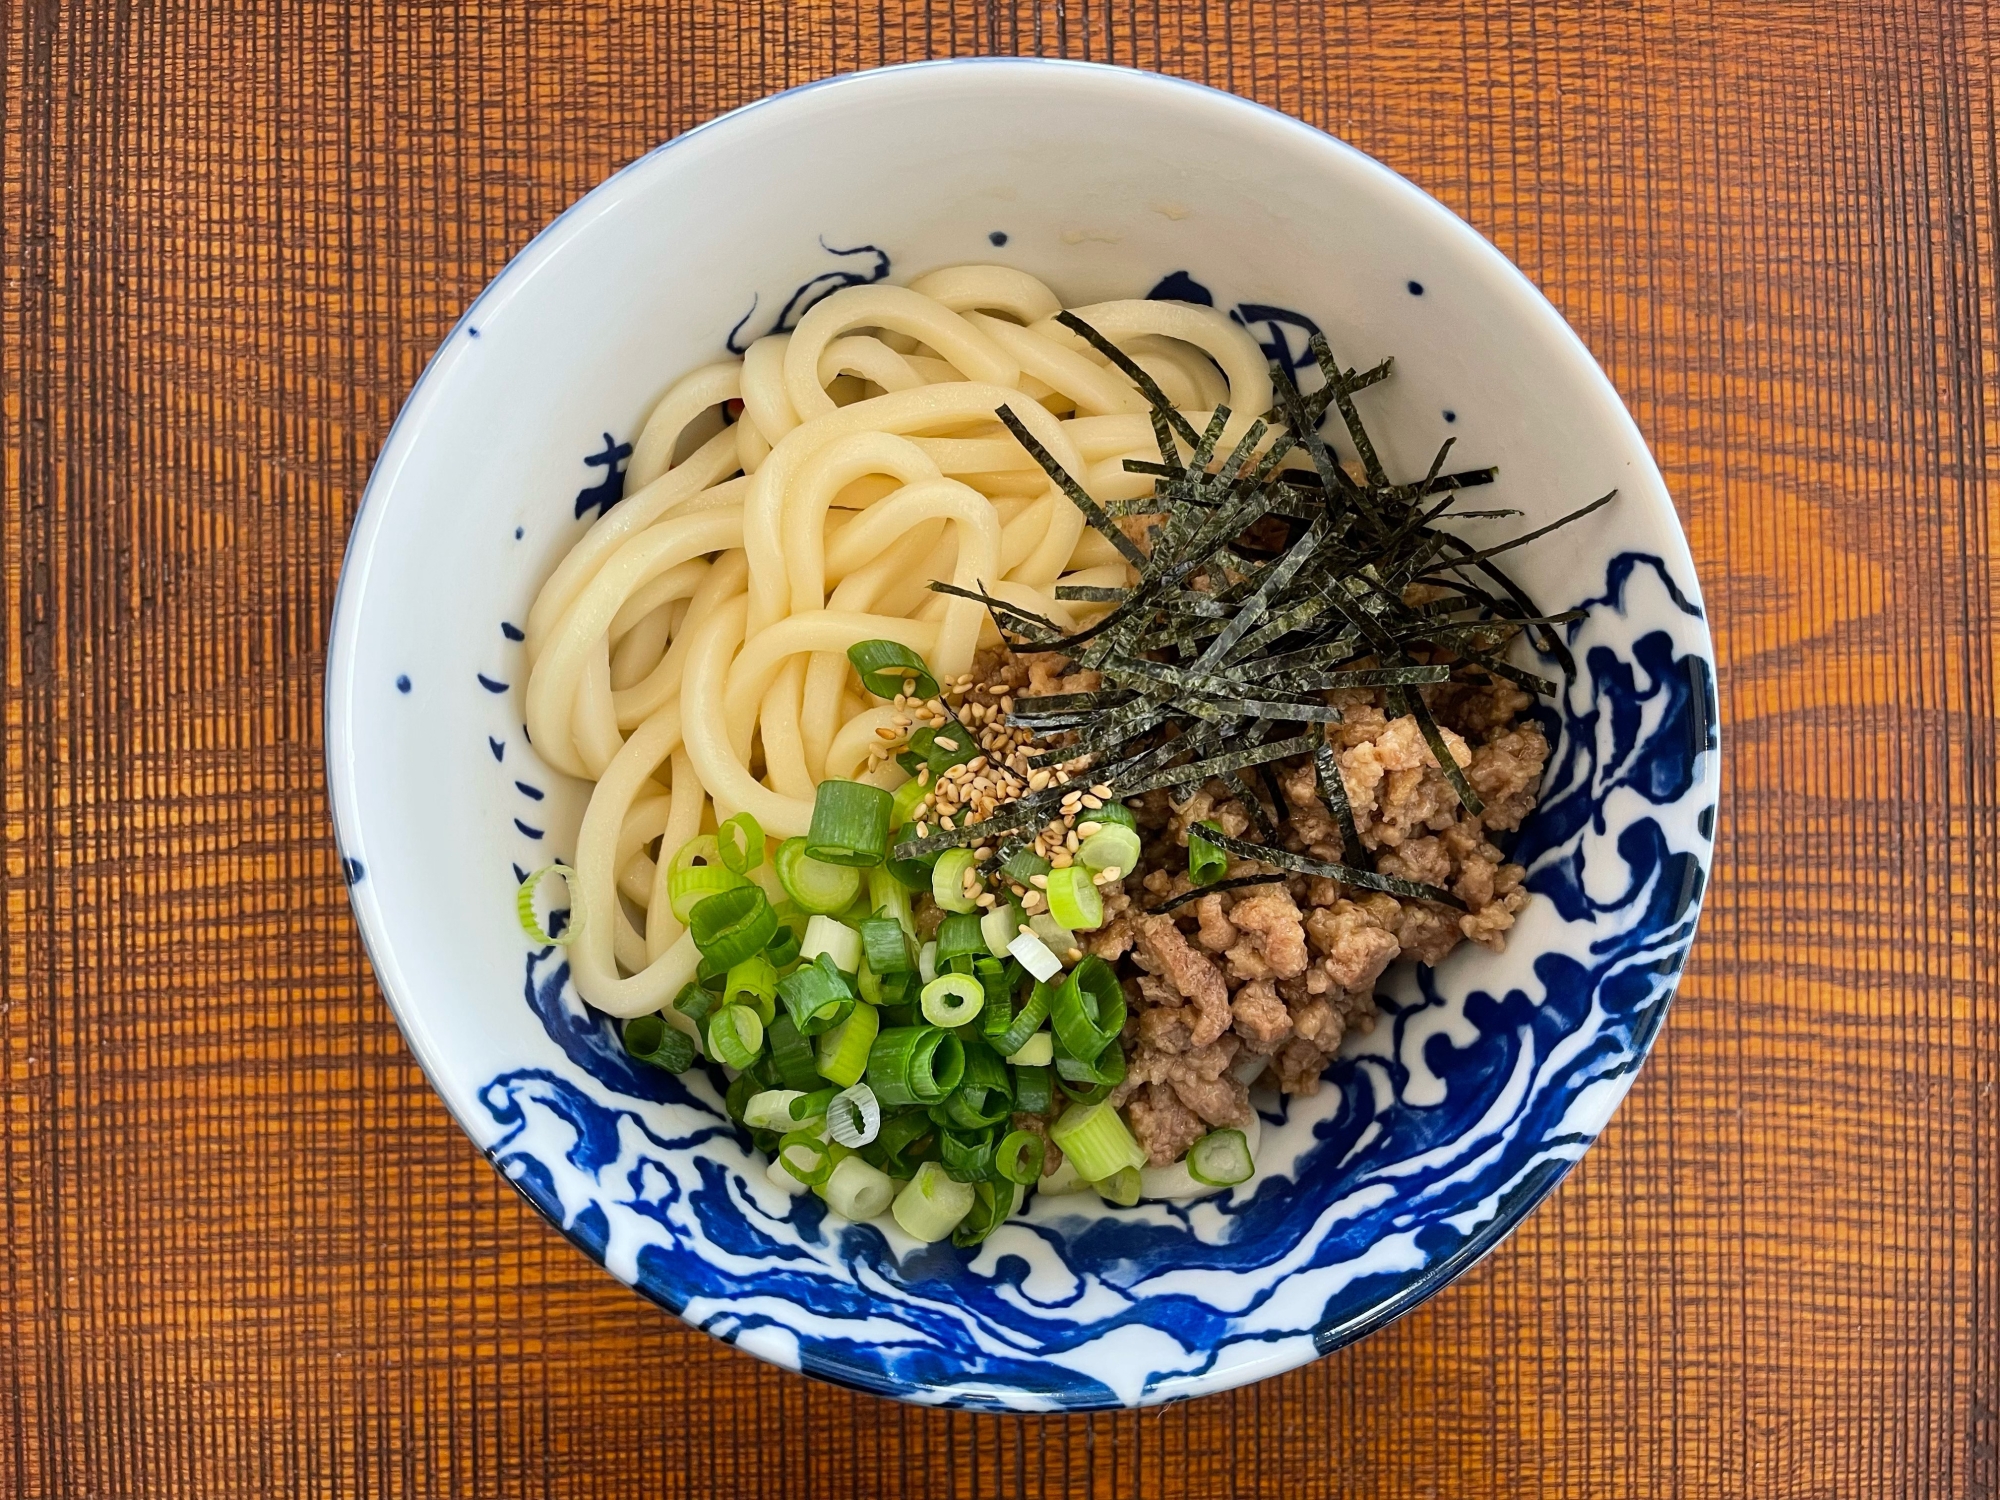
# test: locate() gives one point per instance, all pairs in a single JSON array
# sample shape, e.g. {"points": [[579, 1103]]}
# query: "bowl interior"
{"points": [[1438, 1131]]}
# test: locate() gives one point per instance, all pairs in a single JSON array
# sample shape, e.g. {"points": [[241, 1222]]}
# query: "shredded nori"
{"points": [[1261, 589]]}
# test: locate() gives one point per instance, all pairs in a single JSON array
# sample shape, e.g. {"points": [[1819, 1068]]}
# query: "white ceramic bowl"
{"points": [[1433, 1137]]}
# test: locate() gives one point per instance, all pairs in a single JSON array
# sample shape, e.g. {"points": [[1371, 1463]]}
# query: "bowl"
{"points": [[1432, 1136]]}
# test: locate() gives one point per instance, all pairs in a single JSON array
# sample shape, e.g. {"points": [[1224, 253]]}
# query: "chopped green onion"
{"points": [[889, 667], [1034, 956], [1020, 1157], [1221, 1159], [735, 1036], [914, 1065], [1037, 1052], [1073, 900], [843, 1051], [931, 1204], [1025, 1022], [524, 908], [904, 1134], [1088, 1009], [948, 881], [912, 874], [818, 888], [889, 898], [732, 925], [791, 1055], [850, 823], [1059, 938], [816, 995], [1033, 1093], [959, 934], [1088, 1082], [992, 1203], [771, 1110], [857, 1191], [650, 1039], [754, 980], [950, 746], [886, 946], [985, 1095], [783, 949], [741, 1090], [689, 882], [903, 801], [1023, 865], [740, 843], [1113, 847], [854, 1116], [1095, 1138], [952, 999], [967, 1156], [694, 1002], [1114, 814], [835, 939], [998, 927], [812, 1105], [807, 1157], [927, 968], [1121, 1187], [1206, 862], [999, 979]]}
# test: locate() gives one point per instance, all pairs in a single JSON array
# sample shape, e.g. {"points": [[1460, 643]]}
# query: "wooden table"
{"points": [[244, 1252]]}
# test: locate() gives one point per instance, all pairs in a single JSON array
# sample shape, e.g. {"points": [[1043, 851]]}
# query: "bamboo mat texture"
{"points": [[243, 1250]]}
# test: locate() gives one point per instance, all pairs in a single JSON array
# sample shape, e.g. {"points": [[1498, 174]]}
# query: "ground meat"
{"points": [[1260, 1016], [1162, 1124], [1279, 973], [1273, 935], [1163, 951], [1357, 939]]}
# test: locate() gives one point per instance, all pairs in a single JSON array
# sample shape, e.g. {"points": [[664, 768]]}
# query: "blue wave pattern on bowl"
{"points": [[1433, 1132]]}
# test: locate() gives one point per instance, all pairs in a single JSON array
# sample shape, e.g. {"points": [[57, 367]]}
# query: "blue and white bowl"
{"points": [[1432, 1137]]}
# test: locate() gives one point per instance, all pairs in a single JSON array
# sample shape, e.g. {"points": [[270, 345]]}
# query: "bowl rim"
{"points": [[1329, 1335]]}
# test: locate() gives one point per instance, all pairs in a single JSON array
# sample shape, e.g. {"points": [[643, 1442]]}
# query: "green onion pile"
{"points": [[880, 1073]]}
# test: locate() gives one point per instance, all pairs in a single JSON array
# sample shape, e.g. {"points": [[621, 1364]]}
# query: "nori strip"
{"points": [[1234, 883], [1303, 864], [1333, 793], [1414, 705]]}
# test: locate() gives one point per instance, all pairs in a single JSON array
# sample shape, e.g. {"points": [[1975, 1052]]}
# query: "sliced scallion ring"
{"points": [[818, 888], [1221, 1159], [740, 843], [850, 823], [1020, 1157], [952, 999], [1074, 901], [948, 881], [886, 667], [854, 1117], [524, 907]]}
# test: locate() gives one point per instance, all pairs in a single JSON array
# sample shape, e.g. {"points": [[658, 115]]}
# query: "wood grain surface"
{"points": [[243, 1250]]}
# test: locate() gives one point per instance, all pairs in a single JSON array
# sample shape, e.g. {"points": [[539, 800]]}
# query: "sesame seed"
{"points": [[1073, 955], [1039, 882], [1093, 803], [1087, 829], [1100, 790], [883, 731], [923, 830]]}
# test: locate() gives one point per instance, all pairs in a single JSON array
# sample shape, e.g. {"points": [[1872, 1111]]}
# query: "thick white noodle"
{"points": [[688, 653]]}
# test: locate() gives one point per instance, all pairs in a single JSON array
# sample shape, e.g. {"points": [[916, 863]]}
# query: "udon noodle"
{"points": [[688, 652]]}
